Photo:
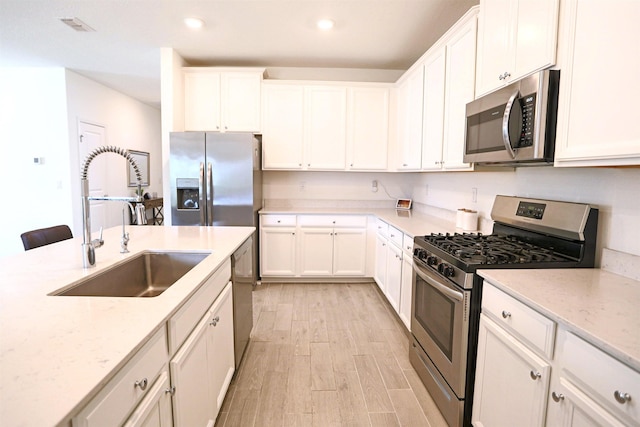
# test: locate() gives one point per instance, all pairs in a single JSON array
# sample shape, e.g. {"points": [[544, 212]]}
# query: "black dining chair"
{"points": [[45, 236]]}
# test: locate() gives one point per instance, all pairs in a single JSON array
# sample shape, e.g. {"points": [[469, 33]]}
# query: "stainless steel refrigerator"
{"points": [[216, 179]]}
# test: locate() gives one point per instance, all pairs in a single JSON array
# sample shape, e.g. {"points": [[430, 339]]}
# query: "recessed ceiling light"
{"points": [[194, 23], [325, 24], [76, 24]]}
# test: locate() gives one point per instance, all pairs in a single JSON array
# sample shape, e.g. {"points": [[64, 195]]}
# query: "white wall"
{"points": [[129, 124], [616, 192], [39, 113], [33, 123]]}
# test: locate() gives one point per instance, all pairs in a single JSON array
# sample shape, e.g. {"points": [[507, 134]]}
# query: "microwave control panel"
{"points": [[528, 106]]}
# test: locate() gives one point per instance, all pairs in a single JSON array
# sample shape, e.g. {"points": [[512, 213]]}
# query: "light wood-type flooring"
{"points": [[326, 355]]}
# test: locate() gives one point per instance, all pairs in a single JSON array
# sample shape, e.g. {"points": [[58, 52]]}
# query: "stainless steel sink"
{"points": [[146, 275]]}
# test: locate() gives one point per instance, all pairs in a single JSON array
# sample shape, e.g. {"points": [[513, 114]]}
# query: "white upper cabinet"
{"points": [[515, 38], [409, 142], [598, 84], [367, 128], [449, 84], [216, 100], [283, 126], [325, 127]]}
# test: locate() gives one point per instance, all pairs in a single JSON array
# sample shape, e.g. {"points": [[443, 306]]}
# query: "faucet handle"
{"points": [[98, 242]]}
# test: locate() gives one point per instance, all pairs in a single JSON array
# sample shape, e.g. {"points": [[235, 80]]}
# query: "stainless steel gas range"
{"points": [[527, 233]]}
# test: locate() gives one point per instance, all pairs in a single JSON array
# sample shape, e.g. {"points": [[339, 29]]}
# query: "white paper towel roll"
{"points": [[460, 217], [470, 220]]}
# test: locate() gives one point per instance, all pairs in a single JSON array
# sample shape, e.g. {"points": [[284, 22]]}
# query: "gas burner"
{"points": [[492, 249]]}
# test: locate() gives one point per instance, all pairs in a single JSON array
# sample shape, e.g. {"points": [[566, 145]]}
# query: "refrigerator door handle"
{"points": [[201, 200], [209, 194]]}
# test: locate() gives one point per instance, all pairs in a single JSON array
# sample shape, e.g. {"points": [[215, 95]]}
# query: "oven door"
{"points": [[440, 323]]}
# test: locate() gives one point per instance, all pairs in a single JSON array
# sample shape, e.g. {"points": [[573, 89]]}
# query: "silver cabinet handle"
{"points": [[214, 321], [621, 397], [505, 314], [534, 375], [142, 384], [557, 397], [171, 390]]}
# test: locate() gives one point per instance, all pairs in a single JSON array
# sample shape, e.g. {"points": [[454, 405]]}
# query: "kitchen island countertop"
{"points": [[57, 352], [595, 304]]}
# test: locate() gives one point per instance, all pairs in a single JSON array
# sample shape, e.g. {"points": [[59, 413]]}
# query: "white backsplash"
{"points": [[621, 263]]}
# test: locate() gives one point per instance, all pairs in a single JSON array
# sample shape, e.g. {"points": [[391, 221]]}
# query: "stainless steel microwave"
{"points": [[514, 125]]}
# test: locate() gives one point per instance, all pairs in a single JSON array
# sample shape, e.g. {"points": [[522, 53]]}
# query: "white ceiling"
{"points": [[124, 51]]}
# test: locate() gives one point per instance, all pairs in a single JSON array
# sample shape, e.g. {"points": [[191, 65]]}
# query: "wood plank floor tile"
{"points": [[407, 408], [375, 393], [325, 354], [384, 419], [322, 373]]}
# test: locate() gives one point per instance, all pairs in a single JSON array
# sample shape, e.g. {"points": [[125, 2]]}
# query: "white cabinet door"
{"points": [[434, 108], [516, 38], [409, 141], [406, 290], [155, 408], [349, 251], [599, 85], [220, 350], [193, 403], [202, 100], [381, 262], [282, 127], [394, 276], [460, 82], [368, 128], [278, 251], [511, 381], [325, 127], [570, 407], [316, 251], [240, 100]]}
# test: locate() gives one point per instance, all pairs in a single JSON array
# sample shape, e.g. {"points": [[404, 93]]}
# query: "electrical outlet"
{"points": [[302, 184], [374, 186], [426, 189], [474, 195]]}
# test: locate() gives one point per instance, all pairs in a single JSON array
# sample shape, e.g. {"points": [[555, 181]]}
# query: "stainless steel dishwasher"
{"points": [[243, 278]]}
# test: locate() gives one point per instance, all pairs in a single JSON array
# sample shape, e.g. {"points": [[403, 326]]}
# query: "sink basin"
{"points": [[146, 275]]}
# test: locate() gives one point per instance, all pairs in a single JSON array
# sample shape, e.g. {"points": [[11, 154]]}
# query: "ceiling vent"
{"points": [[77, 24]]}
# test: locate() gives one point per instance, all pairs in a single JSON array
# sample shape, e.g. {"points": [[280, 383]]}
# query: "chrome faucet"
{"points": [[88, 245]]}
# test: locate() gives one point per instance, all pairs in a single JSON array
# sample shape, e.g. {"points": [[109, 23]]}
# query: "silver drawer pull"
{"points": [[215, 321], [622, 397], [142, 384], [505, 314], [171, 390], [557, 397], [534, 375]]}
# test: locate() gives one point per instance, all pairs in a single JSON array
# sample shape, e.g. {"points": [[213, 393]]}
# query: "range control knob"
{"points": [[446, 270], [420, 253], [432, 260]]}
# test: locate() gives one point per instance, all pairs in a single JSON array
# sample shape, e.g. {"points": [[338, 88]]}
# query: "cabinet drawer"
{"points": [[332, 220], [407, 244], [382, 228], [529, 325], [601, 376], [395, 236], [118, 398], [279, 220], [182, 323]]}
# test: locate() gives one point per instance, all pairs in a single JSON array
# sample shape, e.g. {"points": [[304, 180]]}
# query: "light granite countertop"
{"points": [[56, 352], [595, 304], [410, 222]]}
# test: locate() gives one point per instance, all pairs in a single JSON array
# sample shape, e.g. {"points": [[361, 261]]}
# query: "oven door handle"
{"points": [[427, 277]]}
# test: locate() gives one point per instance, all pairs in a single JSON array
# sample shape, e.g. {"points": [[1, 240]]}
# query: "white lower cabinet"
{"points": [[202, 369], [389, 256], [511, 380], [394, 276], [406, 291], [380, 275], [130, 388], [278, 245], [155, 409], [521, 381]]}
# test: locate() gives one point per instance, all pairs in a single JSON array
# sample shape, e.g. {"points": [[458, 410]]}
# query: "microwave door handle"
{"points": [[505, 124], [458, 296]]}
